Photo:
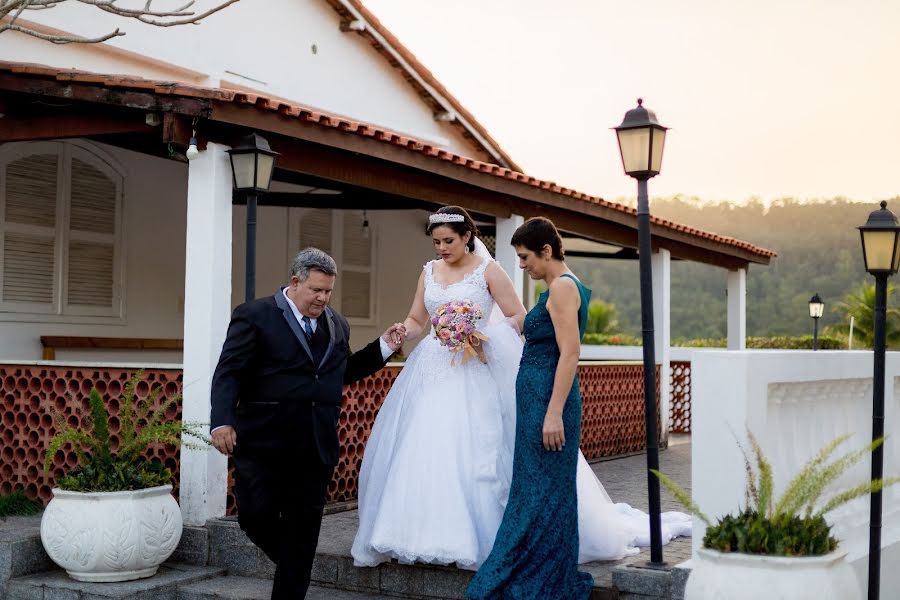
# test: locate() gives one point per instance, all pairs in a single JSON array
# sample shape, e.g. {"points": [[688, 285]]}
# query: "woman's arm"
{"points": [[417, 320], [504, 293], [563, 305]]}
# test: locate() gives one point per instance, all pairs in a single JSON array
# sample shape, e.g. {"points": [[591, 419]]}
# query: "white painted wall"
{"points": [[262, 44], [154, 216], [795, 402], [154, 224], [401, 249]]}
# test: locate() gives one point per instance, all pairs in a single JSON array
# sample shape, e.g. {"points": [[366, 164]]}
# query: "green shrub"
{"points": [[749, 533], [610, 339], [17, 503], [794, 525], [777, 342], [102, 470]]}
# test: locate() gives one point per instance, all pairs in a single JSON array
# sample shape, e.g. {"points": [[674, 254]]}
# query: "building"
{"points": [[108, 231]]}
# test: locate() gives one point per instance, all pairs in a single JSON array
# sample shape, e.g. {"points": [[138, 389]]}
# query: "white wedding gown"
{"points": [[436, 471]]}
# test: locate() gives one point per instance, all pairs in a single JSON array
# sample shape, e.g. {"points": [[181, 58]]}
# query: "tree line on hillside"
{"points": [[818, 249]]}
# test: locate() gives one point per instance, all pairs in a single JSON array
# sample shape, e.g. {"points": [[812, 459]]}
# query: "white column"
{"points": [[506, 254], [661, 263], [737, 309], [207, 310]]}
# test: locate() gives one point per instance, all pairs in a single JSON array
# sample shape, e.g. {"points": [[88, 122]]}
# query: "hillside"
{"points": [[818, 249]]}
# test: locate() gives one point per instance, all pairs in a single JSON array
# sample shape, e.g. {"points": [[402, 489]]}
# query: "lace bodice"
{"points": [[472, 287]]}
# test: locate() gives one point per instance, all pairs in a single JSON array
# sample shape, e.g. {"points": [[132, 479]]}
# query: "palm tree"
{"points": [[860, 304]]}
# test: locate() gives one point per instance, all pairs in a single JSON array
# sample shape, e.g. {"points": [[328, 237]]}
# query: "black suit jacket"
{"points": [[268, 388]]}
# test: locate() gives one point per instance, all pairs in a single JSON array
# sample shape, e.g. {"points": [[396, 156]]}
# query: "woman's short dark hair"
{"points": [[460, 227], [537, 232]]}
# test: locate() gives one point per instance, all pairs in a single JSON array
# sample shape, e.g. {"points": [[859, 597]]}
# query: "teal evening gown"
{"points": [[535, 555]]}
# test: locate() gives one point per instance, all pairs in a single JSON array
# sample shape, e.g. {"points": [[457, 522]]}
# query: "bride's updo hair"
{"points": [[537, 232], [459, 226]]}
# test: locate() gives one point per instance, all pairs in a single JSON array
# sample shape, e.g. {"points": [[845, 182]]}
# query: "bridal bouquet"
{"points": [[454, 327]]}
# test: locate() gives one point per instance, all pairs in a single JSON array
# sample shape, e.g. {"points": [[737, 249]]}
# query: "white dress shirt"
{"points": [[386, 351]]}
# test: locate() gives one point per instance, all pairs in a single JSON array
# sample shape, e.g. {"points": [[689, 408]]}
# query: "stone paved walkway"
{"points": [[625, 480]]}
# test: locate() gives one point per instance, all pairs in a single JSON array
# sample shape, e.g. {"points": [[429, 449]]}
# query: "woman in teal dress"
{"points": [[535, 554]]}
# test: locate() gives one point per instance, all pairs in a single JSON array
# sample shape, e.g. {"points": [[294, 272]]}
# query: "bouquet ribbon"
{"points": [[471, 347]]}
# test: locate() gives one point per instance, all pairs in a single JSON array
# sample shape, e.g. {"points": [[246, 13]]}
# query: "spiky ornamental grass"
{"points": [[792, 525], [17, 503], [100, 469]]}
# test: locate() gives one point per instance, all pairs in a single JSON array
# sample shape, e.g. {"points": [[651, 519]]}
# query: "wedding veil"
{"points": [[481, 250]]}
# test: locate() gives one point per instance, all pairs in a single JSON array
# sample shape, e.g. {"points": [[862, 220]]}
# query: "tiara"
{"points": [[445, 218]]}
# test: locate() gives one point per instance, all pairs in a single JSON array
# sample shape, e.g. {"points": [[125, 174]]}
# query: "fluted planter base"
{"points": [[111, 536], [735, 576]]}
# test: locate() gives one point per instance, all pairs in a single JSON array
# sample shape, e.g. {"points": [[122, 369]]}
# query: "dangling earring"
{"points": [[467, 249]]}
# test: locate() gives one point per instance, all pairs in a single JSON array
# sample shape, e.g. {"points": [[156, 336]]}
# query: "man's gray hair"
{"points": [[312, 259]]}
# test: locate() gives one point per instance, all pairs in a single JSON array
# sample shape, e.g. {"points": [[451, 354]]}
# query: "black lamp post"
{"points": [[641, 140], [816, 308], [881, 253], [252, 165]]}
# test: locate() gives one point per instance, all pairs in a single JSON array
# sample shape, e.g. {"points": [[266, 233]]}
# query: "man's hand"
{"points": [[395, 336], [224, 439]]}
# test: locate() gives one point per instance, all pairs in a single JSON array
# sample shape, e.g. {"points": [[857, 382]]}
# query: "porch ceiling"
{"points": [[45, 103]]}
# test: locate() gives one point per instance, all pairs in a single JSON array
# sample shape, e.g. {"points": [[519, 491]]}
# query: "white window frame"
{"points": [[59, 311], [337, 253]]}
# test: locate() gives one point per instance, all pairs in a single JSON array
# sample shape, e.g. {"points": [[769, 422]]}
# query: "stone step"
{"points": [[252, 588], [229, 548], [21, 551], [57, 585]]}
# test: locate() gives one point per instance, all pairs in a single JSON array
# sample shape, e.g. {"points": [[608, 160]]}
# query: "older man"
{"points": [[276, 399]]}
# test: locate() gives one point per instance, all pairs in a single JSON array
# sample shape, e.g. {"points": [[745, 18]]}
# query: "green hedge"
{"points": [[782, 342], [610, 339]]}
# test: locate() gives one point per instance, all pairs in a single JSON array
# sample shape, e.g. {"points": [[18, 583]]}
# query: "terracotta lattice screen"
{"points": [[680, 400], [612, 398], [33, 394], [612, 408]]}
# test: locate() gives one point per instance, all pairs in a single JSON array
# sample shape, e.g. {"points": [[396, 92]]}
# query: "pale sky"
{"points": [[765, 98]]}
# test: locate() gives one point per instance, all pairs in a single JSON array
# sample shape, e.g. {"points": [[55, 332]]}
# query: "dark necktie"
{"points": [[307, 327]]}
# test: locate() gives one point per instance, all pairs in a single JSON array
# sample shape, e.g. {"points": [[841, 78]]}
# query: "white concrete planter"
{"points": [[734, 576], [111, 536]]}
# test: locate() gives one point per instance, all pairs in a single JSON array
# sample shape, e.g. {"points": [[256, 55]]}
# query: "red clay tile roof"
{"points": [[355, 128], [423, 73]]}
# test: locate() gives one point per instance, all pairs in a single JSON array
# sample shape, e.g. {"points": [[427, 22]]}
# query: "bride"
{"points": [[437, 467]]}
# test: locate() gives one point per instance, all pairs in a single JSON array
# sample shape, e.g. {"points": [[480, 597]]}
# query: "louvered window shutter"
{"points": [[28, 263], [28, 231], [90, 281], [356, 272], [315, 229]]}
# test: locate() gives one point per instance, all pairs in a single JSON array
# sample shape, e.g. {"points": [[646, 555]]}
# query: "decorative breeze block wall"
{"points": [[680, 397], [612, 408], [31, 395], [612, 398]]}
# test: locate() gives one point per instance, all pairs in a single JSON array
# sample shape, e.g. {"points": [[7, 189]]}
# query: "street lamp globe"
{"points": [[641, 141], [880, 236], [816, 307], [252, 164]]}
